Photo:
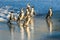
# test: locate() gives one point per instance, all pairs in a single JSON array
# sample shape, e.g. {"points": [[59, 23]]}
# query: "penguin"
{"points": [[21, 15], [32, 11], [10, 17], [27, 13], [49, 15], [29, 7]]}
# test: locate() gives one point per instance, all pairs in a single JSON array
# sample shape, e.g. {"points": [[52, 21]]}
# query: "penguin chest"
{"points": [[22, 16], [50, 13]]}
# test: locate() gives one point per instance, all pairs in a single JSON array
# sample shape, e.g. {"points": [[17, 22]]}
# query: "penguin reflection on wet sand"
{"points": [[21, 16], [49, 15], [28, 32], [11, 28], [50, 25]]}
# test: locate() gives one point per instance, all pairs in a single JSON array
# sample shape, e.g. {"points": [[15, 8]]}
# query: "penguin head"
{"points": [[50, 9], [22, 10], [28, 5], [32, 8], [12, 12]]}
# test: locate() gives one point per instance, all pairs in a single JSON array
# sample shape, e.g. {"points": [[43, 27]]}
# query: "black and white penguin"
{"points": [[32, 11], [29, 7], [49, 15], [10, 17], [27, 13], [21, 15]]}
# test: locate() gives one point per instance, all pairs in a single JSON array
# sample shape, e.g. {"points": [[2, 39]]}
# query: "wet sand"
{"points": [[40, 29]]}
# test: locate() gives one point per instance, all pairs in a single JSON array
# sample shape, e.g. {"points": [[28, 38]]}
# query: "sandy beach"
{"points": [[41, 30]]}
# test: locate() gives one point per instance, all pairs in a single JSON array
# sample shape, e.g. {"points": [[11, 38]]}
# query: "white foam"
{"points": [[5, 14], [3, 20]]}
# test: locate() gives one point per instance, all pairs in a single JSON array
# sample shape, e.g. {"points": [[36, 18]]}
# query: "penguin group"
{"points": [[24, 17]]}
